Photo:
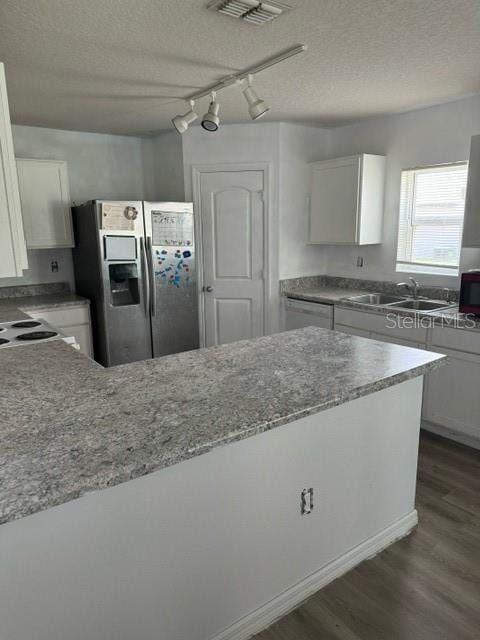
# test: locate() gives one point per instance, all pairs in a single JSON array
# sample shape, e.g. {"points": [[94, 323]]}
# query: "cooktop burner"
{"points": [[2, 329], [37, 335], [26, 324], [4, 341]]}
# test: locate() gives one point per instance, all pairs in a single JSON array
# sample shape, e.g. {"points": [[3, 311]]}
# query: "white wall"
{"points": [[100, 166], [163, 167], [427, 136], [299, 145]]}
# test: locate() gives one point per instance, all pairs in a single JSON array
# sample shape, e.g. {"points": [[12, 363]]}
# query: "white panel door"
{"points": [[232, 217]]}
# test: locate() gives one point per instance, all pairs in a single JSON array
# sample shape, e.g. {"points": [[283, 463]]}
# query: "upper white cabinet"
{"points": [[13, 253], [346, 200], [471, 225], [45, 198]]}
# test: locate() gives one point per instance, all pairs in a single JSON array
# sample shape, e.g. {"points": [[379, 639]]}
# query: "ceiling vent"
{"points": [[253, 11]]}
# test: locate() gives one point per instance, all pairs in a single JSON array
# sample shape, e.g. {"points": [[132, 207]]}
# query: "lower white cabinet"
{"points": [[396, 340], [451, 399], [71, 321], [381, 327], [451, 394]]}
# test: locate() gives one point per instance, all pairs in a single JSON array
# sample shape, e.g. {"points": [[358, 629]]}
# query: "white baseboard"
{"points": [[451, 434], [282, 604]]}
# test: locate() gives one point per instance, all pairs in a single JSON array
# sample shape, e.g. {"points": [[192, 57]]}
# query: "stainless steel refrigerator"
{"points": [[135, 261]]}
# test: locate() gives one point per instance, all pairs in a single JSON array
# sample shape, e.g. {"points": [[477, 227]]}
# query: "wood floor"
{"points": [[424, 587]]}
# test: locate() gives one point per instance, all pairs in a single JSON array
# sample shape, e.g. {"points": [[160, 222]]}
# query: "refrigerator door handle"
{"points": [[146, 276], [153, 297]]}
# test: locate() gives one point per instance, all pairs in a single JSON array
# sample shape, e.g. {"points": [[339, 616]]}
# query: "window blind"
{"points": [[432, 203]]}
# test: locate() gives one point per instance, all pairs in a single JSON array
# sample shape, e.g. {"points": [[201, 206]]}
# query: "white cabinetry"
{"points": [[452, 398], [451, 401], [471, 225], [346, 200], [13, 253], [45, 198], [392, 328], [71, 321]]}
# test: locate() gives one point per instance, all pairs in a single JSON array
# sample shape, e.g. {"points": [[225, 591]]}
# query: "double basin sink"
{"points": [[398, 302]]}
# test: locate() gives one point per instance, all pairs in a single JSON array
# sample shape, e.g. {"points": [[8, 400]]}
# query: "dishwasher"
{"points": [[300, 313]]}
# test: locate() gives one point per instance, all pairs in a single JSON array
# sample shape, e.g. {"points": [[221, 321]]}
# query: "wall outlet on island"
{"points": [[54, 266], [360, 261]]}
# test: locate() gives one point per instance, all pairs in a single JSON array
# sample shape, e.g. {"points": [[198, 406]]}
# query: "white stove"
{"points": [[27, 331]]}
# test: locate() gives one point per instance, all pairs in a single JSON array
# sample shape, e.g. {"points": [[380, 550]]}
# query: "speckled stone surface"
{"points": [[69, 427], [24, 290], [450, 318], [17, 308], [326, 294], [333, 290], [357, 286]]}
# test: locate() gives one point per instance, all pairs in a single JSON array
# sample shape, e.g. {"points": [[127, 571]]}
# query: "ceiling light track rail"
{"points": [[228, 81], [256, 106]]}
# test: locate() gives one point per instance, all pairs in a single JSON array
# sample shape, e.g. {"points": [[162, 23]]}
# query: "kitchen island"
{"points": [[175, 536]]}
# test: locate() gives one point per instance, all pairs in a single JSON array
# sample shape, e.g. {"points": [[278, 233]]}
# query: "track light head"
{"points": [[181, 123], [256, 107], [210, 120]]}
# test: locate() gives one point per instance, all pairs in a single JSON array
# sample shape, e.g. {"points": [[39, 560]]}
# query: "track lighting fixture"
{"points": [[181, 123], [256, 107], [210, 120]]}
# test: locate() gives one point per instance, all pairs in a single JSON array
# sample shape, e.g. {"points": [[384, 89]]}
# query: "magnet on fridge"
{"points": [[187, 254]]}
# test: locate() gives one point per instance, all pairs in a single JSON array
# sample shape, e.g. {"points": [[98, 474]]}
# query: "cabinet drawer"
{"points": [[352, 330], [459, 339], [382, 324], [63, 317]]}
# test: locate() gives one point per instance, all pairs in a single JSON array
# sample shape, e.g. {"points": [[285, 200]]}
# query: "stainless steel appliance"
{"points": [[470, 292], [302, 313], [136, 263]]}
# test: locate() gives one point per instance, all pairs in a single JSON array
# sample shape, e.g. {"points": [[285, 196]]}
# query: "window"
{"points": [[432, 203]]}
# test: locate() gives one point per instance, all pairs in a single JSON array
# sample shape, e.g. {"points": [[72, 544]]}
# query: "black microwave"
{"points": [[470, 293]]}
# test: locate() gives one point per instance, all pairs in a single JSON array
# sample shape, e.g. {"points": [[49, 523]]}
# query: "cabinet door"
{"points": [[471, 223], [45, 199], [12, 242], [452, 397], [334, 201]]}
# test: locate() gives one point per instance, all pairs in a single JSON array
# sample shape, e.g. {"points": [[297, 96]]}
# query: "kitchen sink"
{"points": [[376, 299], [421, 305]]}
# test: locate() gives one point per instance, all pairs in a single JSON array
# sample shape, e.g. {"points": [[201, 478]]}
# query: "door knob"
{"points": [[209, 289]]}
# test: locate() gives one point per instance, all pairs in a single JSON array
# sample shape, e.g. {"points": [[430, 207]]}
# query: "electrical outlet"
{"points": [[306, 501], [360, 261], [54, 266]]}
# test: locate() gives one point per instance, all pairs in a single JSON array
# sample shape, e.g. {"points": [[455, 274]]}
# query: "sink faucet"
{"points": [[413, 287]]}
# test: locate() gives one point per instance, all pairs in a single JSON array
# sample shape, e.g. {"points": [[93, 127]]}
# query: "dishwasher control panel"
{"points": [[303, 313]]}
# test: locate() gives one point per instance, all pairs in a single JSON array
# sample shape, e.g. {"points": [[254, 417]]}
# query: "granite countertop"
{"points": [[69, 427], [42, 301], [326, 294], [336, 295]]}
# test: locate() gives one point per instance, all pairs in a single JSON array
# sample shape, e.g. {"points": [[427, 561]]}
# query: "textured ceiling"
{"points": [[122, 66]]}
